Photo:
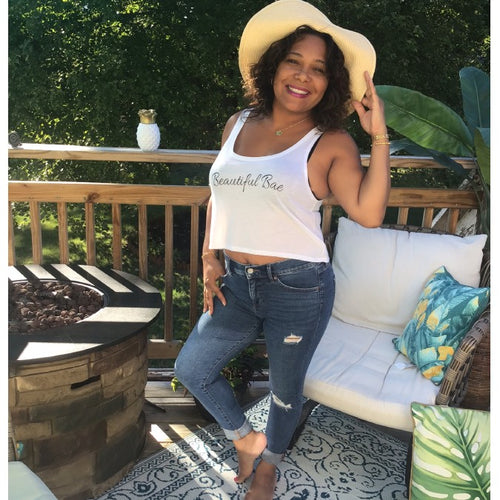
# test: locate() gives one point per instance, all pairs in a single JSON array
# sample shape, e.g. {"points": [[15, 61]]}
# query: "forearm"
{"points": [[212, 268], [374, 189], [208, 225], [376, 184]]}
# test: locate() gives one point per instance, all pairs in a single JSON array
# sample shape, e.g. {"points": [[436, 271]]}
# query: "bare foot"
{"points": [[248, 449], [264, 482]]}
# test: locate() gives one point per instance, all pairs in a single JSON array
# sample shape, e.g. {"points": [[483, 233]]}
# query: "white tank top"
{"points": [[264, 205]]}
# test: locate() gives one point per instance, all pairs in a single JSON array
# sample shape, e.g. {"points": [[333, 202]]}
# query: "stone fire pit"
{"points": [[76, 391]]}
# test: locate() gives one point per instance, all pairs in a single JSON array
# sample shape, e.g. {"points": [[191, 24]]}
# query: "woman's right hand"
{"points": [[213, 270]]}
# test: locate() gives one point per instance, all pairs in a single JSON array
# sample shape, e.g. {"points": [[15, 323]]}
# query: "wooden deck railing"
{"points": [[194, 197]]}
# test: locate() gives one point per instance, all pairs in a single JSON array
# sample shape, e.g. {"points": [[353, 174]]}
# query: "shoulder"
{"points": [[339, 141], [234, 118], [231, 122], [334, 146]]}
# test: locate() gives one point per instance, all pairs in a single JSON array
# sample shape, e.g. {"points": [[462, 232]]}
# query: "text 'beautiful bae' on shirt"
{"points": [[262, 181]]}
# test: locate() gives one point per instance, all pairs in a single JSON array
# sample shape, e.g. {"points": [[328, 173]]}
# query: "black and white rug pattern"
{"points": [[337, 457]]}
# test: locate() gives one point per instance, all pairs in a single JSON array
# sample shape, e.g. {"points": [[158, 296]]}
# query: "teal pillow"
{"points": [[445, 312], [451, 453]]}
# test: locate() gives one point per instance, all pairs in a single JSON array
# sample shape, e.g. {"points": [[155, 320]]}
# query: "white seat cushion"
{"points": [[24, 484], [358, 371]]}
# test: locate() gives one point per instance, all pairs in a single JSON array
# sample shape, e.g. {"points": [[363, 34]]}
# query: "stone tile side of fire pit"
{"points": [[80, 422]]}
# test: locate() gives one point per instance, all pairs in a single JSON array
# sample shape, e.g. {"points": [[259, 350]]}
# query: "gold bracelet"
{"points": [[381, 143], [210, 252], [381, 136]]}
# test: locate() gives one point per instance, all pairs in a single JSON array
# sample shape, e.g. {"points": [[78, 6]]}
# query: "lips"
{"points": [[297, 92]]}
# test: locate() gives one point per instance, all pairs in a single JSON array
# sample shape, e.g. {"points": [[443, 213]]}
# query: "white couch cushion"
{"points": [[358, 371], [381, 272]]}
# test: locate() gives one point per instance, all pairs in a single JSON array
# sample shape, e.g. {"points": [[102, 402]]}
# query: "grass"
{"points": [[23, 240]]}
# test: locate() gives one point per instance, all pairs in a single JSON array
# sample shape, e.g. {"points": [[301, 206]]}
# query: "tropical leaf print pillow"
{"points": [[445, 312], [451, 453]]}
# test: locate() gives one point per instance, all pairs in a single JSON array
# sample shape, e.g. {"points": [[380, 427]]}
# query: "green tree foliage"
{"points": [[421, 44], [80, 70]]}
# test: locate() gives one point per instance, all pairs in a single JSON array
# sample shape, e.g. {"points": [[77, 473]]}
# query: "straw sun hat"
{"points": [[281, 17]]}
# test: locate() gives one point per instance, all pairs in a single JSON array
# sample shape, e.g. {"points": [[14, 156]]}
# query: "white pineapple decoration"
{"points": [[148, 133]]}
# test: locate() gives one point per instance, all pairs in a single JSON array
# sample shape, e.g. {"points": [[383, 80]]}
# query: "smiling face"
{"points": [[321, 88], [300, 81]]}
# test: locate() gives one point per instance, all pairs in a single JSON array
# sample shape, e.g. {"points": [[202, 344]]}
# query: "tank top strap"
{"points": [[242, 118], [317, 137]]}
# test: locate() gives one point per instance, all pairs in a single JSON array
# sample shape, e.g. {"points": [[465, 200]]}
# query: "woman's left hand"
{"points": [[371, 110]]}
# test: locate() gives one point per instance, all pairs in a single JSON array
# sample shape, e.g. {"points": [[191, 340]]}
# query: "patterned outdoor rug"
{"points": [[337, 457]]}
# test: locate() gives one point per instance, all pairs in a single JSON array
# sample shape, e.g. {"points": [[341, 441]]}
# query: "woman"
{"points": [[278, 160]]}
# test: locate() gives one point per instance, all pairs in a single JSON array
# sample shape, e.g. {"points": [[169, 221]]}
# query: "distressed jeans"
{"points": [[290, 302]]}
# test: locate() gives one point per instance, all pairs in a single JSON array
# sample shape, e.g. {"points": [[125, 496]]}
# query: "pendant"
{"points": [[278, 132]]}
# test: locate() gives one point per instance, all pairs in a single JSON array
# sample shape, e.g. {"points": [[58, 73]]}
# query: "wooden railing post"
{"points": [[169, 272], [90, 233], [62, 231], [193, 264], [116, 221], [36, 232], [12, 241], [142, 216]]}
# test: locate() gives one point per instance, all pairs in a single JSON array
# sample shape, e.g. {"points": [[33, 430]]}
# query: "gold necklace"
{"points": [[281, 130]]}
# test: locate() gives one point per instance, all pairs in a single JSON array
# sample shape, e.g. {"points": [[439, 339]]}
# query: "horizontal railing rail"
{"points": [[115, 196], [91, 153]]}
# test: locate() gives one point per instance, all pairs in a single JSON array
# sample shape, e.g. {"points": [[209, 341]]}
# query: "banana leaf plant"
{"points": [[431, 128]]}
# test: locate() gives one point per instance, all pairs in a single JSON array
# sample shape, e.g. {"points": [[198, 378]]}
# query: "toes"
{"points": [[245, 467]]}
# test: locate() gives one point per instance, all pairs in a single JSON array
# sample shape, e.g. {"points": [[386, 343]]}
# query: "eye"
{"points": [[291, 60], [320, 70]]}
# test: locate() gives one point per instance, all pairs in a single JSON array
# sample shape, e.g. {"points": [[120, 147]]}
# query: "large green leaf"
{"points": [[482, 144], [426, 121], [476, 97], [451, 453]]}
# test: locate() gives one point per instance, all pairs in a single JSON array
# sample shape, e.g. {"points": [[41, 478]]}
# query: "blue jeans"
{"points": [[290, 302]]}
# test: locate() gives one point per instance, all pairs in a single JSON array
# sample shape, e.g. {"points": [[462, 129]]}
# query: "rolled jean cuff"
{"points": [[272, 458], [245, 429]]}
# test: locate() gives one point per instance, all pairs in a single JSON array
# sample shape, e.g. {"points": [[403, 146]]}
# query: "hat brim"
{"points": [[282, 17]]}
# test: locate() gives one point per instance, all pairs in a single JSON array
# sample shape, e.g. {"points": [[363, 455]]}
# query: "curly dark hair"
{"points": [[331, 111]]}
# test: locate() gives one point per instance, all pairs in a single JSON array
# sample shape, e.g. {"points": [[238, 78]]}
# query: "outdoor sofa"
{"points": [[380, 276]]}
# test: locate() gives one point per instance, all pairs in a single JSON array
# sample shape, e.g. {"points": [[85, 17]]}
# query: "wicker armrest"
{"points": [[453, 388], [330, 242], [467, 380]]}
